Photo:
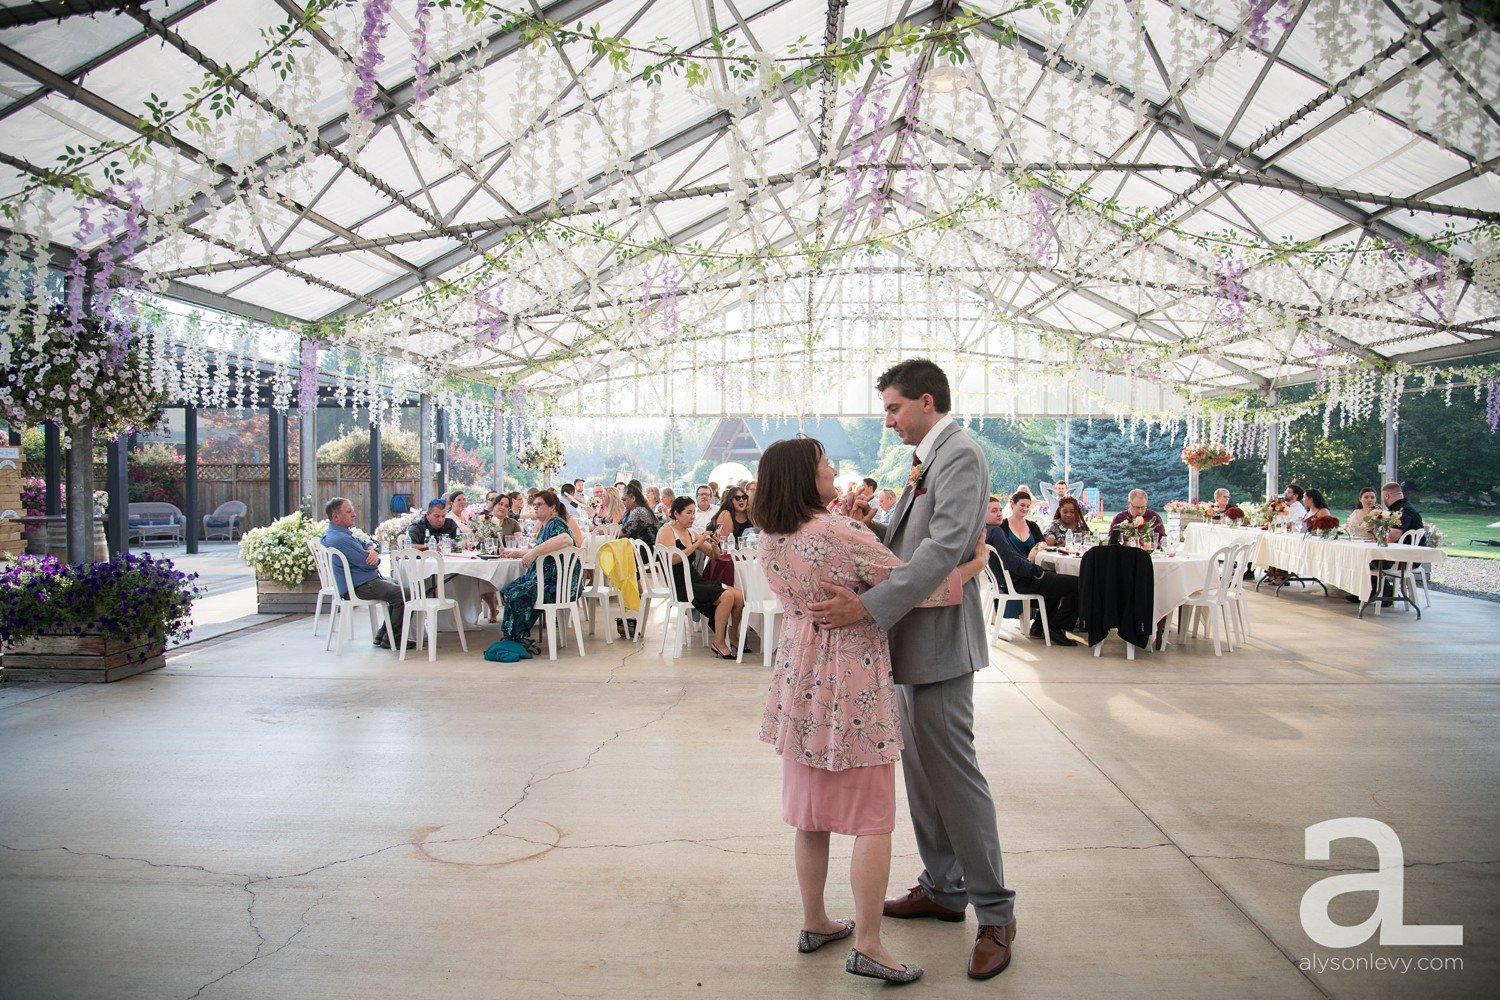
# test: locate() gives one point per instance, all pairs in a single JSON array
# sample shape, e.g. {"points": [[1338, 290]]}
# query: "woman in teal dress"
{"points": [[557, 533]]}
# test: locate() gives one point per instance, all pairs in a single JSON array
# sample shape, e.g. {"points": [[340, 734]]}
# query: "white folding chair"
{"points": [[649, 581], [413, 570], [567, 596], [326, 586], [1399, 573], [989, 604], [1213, 599], [1239, 597], [343, 607], [609, 531], [759, 601], [679, 612], [1012, 594]]}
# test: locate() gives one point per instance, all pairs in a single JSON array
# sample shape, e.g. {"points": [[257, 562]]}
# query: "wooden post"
{"points": [[80, 497]]}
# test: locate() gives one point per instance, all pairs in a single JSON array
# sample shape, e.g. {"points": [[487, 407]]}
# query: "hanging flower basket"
{"points": [[542, 454], [1202, 455]]}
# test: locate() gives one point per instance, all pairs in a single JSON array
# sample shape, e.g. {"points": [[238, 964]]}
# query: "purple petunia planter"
{"points": [[84, 659]]}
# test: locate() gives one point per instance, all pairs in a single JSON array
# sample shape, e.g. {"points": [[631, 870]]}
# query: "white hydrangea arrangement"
{"points": [[278, 552]]}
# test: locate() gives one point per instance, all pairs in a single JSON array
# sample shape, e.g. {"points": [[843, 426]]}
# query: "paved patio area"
{"points": [[262, 818]]}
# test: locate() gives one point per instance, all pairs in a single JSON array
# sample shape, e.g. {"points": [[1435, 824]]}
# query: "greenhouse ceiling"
{"points": [[751, 205]]}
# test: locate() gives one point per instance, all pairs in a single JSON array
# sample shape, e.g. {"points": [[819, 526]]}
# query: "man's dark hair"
{"points": [[332, 507], [1297, 490], [871, 483], [567, 489], [916, 378]]}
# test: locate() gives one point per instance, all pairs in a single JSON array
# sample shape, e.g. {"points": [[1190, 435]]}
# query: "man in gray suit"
{"points": [[934, 654]]}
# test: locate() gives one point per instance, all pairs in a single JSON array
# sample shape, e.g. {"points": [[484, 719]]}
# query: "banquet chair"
{"points": [[1399, 574], [1026, 600], [412, 571], [1239, 597], [326, 586], [1213, 599], [679, 612], [339, 619], [759, 601], [609, 531], [567, 597], [649, 582], [989, 603]]}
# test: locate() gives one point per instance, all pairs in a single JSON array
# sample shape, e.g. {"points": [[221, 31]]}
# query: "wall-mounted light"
{"points": [[945, 80]]}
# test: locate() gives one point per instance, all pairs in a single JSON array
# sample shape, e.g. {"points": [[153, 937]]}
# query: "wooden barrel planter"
{"points": [[274, 599], [87, 659]]}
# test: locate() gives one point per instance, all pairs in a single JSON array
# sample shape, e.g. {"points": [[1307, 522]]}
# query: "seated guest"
{"points": [[611, 509], [1396, 502], [750, 489], [703, 508], [1221, 501], [734, 514], [1069, 518], [867, 489], [1296, 511], [1023, 545], [1135, 506], [427, 530], [1316, 508], [713, 492], [994, 537], [653, 499], [885, 505], [578, 490], [664, 508], [1356, 520], [364, 567], [519, 595], [713, 600], [499, 510], [598, 498], [458, 507], [640, 522], [572, 502]]}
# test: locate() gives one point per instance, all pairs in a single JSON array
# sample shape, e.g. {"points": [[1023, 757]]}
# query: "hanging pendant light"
{"points": [[945, 80]]}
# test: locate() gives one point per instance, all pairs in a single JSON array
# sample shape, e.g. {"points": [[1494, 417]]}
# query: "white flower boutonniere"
{"points": [[917, 472]]}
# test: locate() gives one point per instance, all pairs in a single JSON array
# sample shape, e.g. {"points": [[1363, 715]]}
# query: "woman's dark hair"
{"points": [[1315, 497], [1069, 502], [1370, 489], [1020, 495], [550, 499], [916, 378], [787, 496], [633, 491], [681, 504], [726, 502], [455, 495]]}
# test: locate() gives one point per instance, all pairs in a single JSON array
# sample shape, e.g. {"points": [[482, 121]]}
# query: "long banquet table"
{"points": [[1176, 576], [1343, 563]]}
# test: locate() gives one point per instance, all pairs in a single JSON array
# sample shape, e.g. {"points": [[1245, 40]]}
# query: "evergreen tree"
{"points": [[673, 454], [1105, 458]]}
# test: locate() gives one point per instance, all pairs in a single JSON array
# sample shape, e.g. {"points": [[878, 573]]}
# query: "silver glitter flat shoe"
{"points": [[860, 964], [808, 942]]}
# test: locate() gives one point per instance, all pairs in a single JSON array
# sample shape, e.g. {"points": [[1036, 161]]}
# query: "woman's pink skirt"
{"points": [[857, 802]]}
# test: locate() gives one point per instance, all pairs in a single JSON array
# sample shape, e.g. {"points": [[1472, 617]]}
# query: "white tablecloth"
{"points": [[1339, 563], [1176, 577], [471, 577]]}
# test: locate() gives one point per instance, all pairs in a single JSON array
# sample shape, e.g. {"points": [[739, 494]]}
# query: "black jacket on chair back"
{"points": [[1117, 590]]}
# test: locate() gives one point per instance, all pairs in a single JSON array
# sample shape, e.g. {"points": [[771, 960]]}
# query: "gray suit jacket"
{"points": [[933, 533]]}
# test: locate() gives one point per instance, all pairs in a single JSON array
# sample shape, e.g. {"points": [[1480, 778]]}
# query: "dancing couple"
{"points": [[883, 636]]}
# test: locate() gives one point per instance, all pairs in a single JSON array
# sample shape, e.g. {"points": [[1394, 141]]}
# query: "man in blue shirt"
{"points": [[364, 566]]}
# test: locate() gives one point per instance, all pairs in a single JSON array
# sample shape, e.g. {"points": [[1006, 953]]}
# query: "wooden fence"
{"points": [[250, 483]]}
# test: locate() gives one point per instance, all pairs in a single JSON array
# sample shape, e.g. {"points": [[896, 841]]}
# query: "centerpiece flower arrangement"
{"points": [[1251, 513], [1436, 537], [1198, 507], [125, 598], [1381, 523], [390, 531], [1273, 510], [1206, 455], [1137, 531], [1234, 514], [487, 529], [278, 552], [1326, 526]]}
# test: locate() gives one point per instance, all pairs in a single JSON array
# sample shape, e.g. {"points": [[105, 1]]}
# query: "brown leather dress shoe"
{"points": [[991, 952], [916, 903]]}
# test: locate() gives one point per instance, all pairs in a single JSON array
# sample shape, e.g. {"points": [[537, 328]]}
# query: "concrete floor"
{"points": [[263, 819]]}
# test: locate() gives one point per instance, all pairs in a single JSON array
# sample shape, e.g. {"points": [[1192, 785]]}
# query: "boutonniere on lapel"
{"points": [[918, 472]]}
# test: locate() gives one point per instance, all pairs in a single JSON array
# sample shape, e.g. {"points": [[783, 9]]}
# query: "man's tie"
{"points": [[914, 460]]}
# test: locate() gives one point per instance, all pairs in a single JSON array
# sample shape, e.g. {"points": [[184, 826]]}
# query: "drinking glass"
{"points": [[1070, 539]]}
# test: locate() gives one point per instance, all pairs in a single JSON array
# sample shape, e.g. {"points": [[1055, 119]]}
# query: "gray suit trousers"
{"points": [[951, 808]]}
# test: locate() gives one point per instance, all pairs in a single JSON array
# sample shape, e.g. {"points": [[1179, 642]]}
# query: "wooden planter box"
{"points": [[88, 659], [274, 599]]}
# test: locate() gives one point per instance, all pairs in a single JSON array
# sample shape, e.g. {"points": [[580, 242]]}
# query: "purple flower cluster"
{"points": [[420, 66], [1492, 410], [376, 24], [865, 153], [127, 597], [1261, 16], [489, 317], [670, 276], [1043, 235], [1229, 290]]}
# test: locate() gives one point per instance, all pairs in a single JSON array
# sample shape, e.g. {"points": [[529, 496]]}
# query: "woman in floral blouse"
{"points": [[831, 711]]}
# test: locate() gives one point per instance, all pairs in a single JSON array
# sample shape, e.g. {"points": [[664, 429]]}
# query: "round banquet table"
{"points": [[1177, 575], [471, 576]]}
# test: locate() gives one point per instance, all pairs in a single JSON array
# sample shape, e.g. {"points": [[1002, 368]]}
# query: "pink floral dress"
{"points": [[832, 703]]}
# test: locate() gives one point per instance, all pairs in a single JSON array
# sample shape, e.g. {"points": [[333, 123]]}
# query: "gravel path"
{"points": [[1468, 577]]}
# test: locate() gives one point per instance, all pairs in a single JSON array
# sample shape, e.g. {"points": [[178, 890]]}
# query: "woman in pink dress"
{"points": [[831, 712]]}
